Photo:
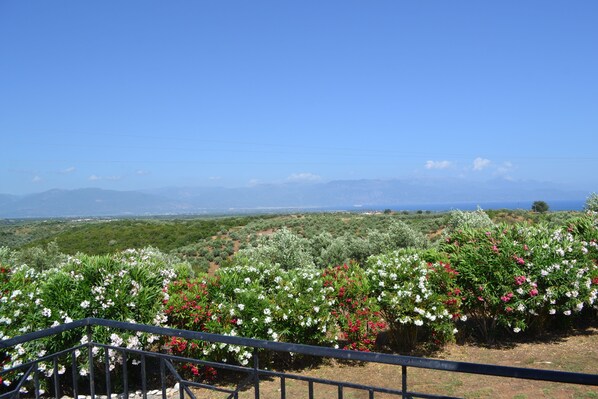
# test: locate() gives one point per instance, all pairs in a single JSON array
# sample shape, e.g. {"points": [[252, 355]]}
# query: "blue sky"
{"points": [[140, 94]]}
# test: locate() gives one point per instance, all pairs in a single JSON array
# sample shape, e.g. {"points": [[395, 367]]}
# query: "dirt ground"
{"points": [[577, 352]]}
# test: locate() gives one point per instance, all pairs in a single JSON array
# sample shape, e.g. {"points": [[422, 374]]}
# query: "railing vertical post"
{"points": [[92, 386], [256, 377], [107, 371], [123, 354], [163, 377], [36, 380], [75, 375], [56, 381], [404, 382], [283, 388], [143, 377]]}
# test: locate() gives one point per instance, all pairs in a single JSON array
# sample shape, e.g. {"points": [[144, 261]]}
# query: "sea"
{"points": [[557, 205]]}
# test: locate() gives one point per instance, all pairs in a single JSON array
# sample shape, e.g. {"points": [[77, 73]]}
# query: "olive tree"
{"points": [[540, 206]]}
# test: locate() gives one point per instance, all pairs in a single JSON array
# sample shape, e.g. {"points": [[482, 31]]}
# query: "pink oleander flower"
{"points": [[506, 297], [519, 280], [519, 260]]}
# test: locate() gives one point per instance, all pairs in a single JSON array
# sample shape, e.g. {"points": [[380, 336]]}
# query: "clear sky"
{"points": [[140, 94]]}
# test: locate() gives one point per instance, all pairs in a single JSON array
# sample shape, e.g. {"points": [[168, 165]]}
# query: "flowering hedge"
{"points": [[357, 315], [127, 286], [517, 277], [262, 301], [415, 296]]}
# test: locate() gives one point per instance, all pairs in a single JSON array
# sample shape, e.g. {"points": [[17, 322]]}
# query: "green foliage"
{"points": [[540, 206], [416, 297], [528, 272], [103, 237], [468, 220], [401, 235], [126, 286], [262, 301], [39, 258], [17, 233], [282, 248], [357, 314], [592, 203], [517, 277]]}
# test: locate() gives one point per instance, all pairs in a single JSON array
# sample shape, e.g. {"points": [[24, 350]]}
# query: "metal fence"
{"points": [[160, 368]]}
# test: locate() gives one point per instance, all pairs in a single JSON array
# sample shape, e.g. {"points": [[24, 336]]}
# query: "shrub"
{"points": [[468, 220], [540, 206], [401, 235], [592, 203], [336, 252], [283, 248], [262, 301], [516, 277], [39, 258], [127, 286], [415, 296], [357, 315]]}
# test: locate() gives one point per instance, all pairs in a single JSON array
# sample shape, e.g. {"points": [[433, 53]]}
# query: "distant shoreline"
{"points": [[558, 205]]}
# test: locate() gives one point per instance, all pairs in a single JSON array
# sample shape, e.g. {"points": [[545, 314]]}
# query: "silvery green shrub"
{"points": [[459, 220], [283, 248], [401, 235], [592, 202]]}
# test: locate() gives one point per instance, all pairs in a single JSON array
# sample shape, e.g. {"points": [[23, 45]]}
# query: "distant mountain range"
{"points": [[340, 194]]}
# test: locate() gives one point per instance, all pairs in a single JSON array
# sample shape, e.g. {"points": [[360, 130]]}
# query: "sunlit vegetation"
{"points": [[207, 243]]}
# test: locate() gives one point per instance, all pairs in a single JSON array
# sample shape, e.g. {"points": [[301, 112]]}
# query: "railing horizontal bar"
{"points": [[8, 394], [344, 384], [208, 386], [246, 381], [177, 358], [428, 396], [405, 361], [23, 379], [42, 359], [409, 361], [7, 343]]}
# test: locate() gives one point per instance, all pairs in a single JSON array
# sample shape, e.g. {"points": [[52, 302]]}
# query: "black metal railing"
{"points": [[163, 369]]}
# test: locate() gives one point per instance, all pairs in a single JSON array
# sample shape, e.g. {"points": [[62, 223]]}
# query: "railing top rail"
{"points": [[399, 360], [7, 343]]}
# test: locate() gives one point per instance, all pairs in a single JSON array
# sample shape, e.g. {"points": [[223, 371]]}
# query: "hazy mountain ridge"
{"points": [[339, 193]]}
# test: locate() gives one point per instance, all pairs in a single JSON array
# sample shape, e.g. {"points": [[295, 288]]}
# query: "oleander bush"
{"points": [[519, 277], [127, 286], [356, 313], [418, 298], [260, 300]]}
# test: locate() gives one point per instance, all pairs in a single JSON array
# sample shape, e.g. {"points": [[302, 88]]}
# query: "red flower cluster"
{"points": [[206, 373], [507, 297], [520, 280], [359, 324], [519, 260]]}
